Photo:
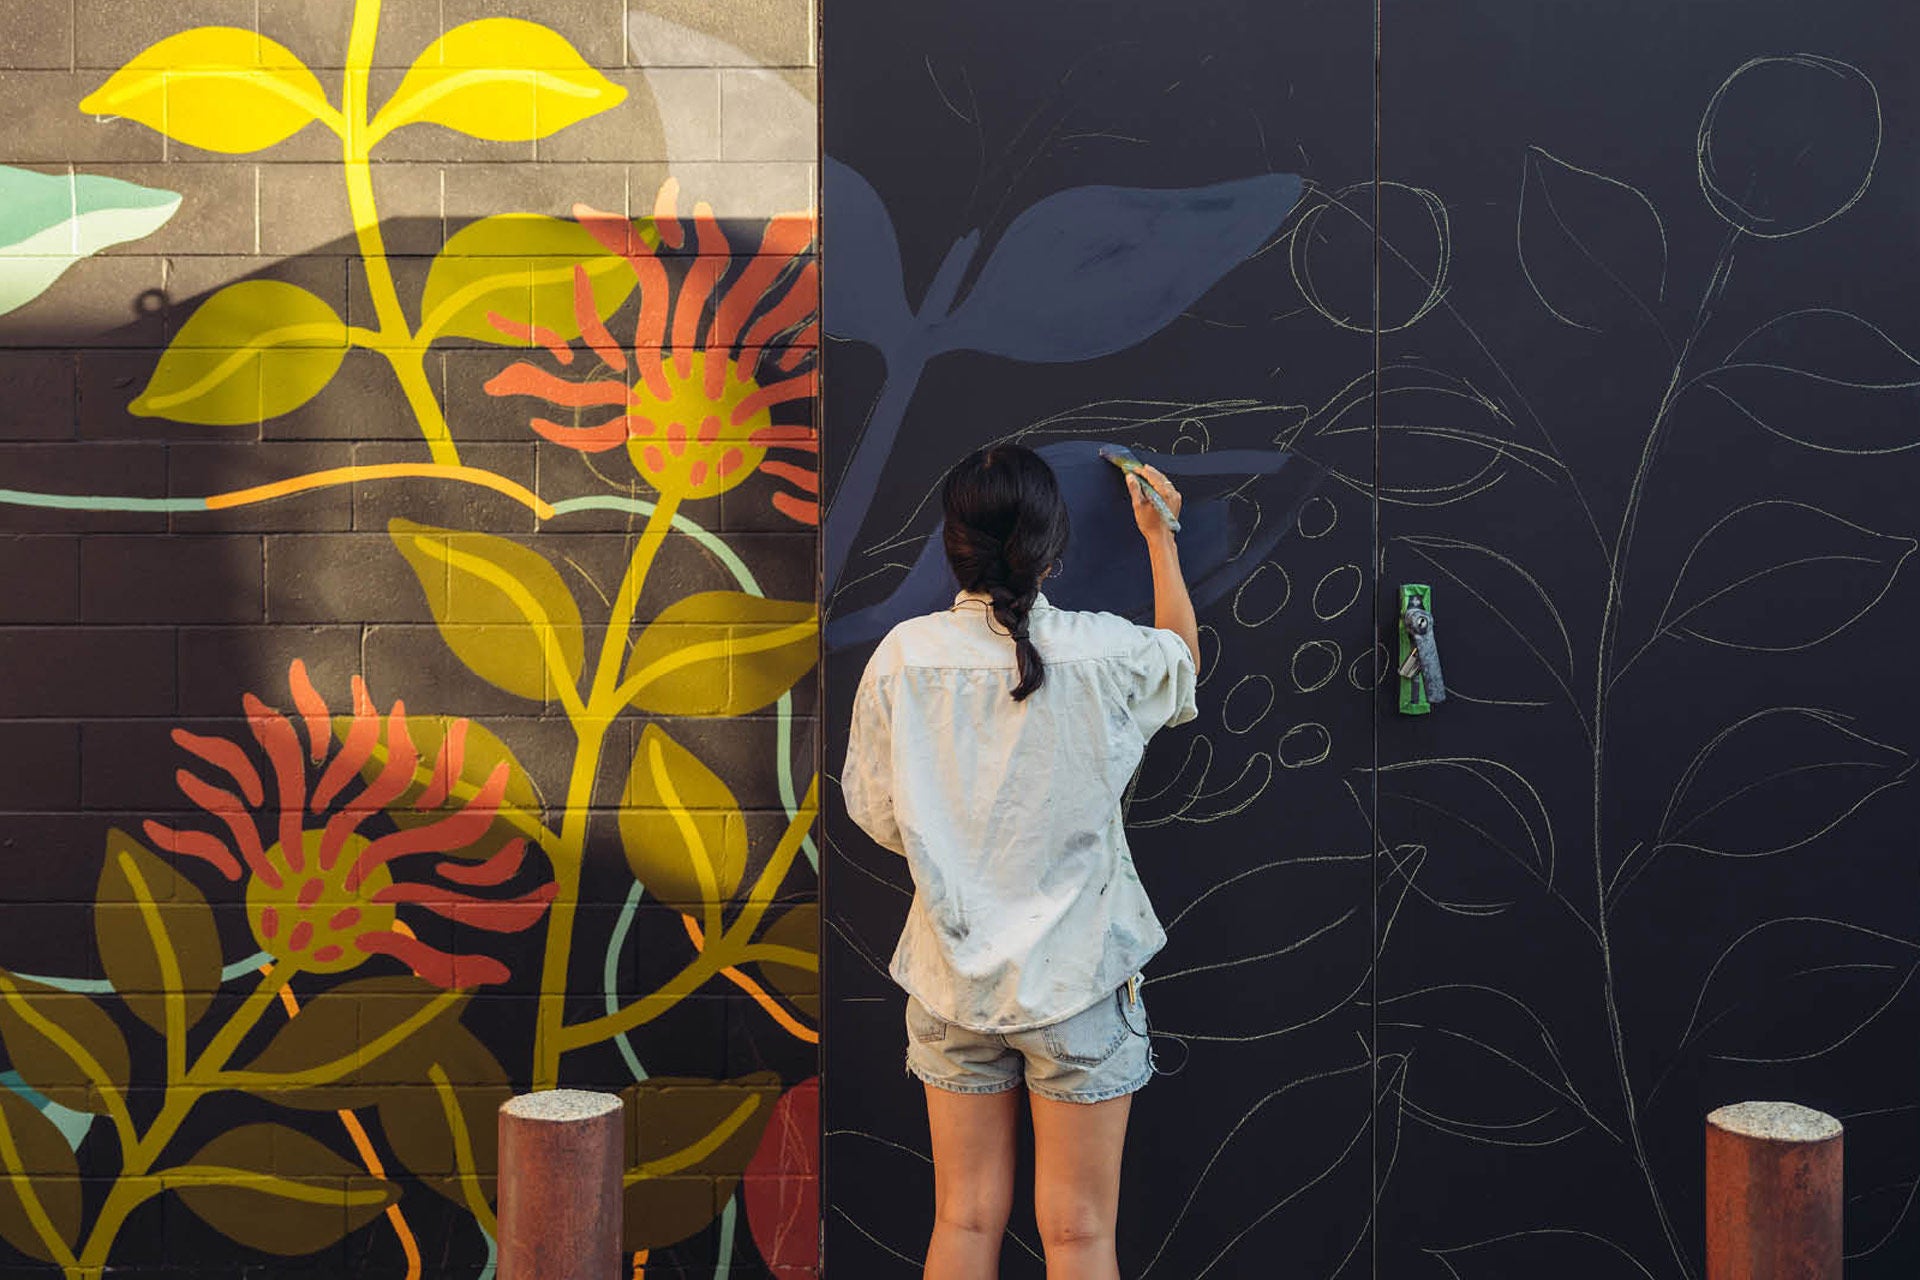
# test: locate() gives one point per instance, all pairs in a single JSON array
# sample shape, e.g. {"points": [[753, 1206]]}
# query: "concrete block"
{"points": [[768, 33], [203, 468], [101, 301], [87, 671], [317, 30], [161, 580], [319, 577], [43, 765], [39, 36], [737, 190], [363, 402], [192, 280], [109, 381], [216, 213], [680, 107], [122, 469], [218, 664], [596, 28], [475, 191], [39, 578], [769, 115], [303, 209], [41, 395], [108, 33], [46, 126], [440, 502]]}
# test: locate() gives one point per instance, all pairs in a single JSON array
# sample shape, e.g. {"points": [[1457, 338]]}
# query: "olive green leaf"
{"points": [[688, 1141], [721, 653], [502, 609], [680, 825], [498, 279], [253, 351], [157, 937], [41, 1180], [443, 1120], [372, 1020], [65, 1046], [277, 1190], [799, 928]]}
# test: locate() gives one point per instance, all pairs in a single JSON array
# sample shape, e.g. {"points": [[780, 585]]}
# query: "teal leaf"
{"points": [[49, 221]]}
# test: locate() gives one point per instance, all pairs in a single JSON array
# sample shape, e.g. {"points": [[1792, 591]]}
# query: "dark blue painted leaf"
{"points": [[1094, 270], [1239, 502], [863, 295]]}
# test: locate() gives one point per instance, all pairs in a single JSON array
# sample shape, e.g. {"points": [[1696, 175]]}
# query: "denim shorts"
{"points": [[1099, 1053]]}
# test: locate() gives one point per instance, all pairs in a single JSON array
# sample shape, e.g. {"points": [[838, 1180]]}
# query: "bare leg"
{"points": [[1076, 1184], [972, 1181]]}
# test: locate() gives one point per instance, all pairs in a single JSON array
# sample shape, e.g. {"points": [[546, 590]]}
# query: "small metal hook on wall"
{"points": [[1421, 684]]}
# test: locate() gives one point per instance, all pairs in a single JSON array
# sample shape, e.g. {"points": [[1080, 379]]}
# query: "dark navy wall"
{"points": [[1448, 996]]}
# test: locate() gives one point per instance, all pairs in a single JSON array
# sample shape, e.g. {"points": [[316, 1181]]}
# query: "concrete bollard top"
{"points": [[1776, 1122], [560, 1106]]}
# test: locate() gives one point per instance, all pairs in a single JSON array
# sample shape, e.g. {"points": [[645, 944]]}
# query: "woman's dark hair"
{"points": [[1006, 524]]}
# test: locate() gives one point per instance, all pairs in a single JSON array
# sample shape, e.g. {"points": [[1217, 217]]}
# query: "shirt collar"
{"points": [[1040, 600]]}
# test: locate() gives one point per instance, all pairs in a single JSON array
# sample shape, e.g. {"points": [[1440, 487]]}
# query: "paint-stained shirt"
{"points": [[1026, 906]]}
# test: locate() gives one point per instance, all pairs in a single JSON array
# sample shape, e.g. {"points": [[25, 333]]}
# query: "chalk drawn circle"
{"points": [[1193, 438], [1209, 653], [1323, 664], [1247, 704], [1333, 256], [1379, 655], [1341, 584], [1256, 596], [1317, 517], [1311, 743], [1789, 144]]}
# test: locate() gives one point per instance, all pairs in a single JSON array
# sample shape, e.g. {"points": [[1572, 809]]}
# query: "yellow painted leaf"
{"points": [[522, 805], [676, 818], [722, 653], [217, 88], [502, 609], [277, 1190], [357, 1012], [63, 1045], [798, 928], [414, 1113], [253, 351], [54, 1174], [156, 935], [500, 277], [688, 1141], [501, 79]]}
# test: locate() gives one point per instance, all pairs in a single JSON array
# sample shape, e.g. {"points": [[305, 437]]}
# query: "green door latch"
{"points": [[1420, 683]]}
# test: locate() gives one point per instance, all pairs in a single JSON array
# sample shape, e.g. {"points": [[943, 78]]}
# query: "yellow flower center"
{"points": [[688, 444], [312, 918]]}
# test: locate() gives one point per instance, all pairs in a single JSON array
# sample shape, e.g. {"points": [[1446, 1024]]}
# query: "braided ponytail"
{"points": [[1005, 524]]}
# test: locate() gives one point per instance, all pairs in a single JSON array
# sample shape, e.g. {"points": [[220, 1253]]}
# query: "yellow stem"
{"points": [[394, 337], [603, 704]]}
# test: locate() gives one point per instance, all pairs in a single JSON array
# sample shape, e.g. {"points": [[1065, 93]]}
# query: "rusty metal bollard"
{"points": [[561, 1152], [1773, 1193]]}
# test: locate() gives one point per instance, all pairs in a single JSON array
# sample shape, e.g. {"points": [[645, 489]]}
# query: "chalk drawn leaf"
{"points": [[1232, 1225], [64, 1046], [1488, 593], [223, 89], [781, 1188], [502, 609], [440, 1079], [1487, 837], [863, 297], [1483, 1066], [1776, 780], [157, 938], [1776, 576], [1543, 1251], [721, 653], [277, 1190], [52, 1171], [503, 277], [799, 928], [1825, 379], [501, 79], [688, 1141], [1093, 270], [252, 351], [1593, 248], [682, 830], [49, 221], [1797, 988]]}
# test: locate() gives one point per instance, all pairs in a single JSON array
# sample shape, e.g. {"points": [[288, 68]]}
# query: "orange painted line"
{"points": [[383, 471], [775, 1010], [640, 1264], [371, 1158]]}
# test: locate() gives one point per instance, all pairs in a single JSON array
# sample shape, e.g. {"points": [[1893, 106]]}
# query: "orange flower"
{"points": [[697, 418], [321, 894]]}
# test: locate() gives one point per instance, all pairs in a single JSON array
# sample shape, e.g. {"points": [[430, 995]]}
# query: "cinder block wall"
{"points": [[406, 616]]}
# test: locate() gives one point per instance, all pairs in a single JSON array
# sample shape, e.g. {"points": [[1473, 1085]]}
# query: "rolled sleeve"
{"points": [[1161, 681], [866, 779]]}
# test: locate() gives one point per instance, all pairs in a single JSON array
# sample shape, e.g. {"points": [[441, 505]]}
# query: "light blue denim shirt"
{"points": [[1026, 905]]}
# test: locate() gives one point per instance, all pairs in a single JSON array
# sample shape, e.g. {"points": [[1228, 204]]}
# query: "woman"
{"points": [[990, 745]]}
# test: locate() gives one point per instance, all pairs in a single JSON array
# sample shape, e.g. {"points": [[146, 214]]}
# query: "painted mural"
{"points": [[1592, 319], [546, 819]]}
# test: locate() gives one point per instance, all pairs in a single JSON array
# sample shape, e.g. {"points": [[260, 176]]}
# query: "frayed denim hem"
{"points": [[945, 1087], [1088, 1099]]}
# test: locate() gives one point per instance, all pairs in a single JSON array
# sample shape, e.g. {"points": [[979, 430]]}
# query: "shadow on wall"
{"points": [[420, 635]]}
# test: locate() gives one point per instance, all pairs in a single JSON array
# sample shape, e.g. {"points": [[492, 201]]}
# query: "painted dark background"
{"points": [[1450, 997]]}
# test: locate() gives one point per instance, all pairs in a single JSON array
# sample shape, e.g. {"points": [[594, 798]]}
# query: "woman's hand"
{"points": [[1152, 526]]}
